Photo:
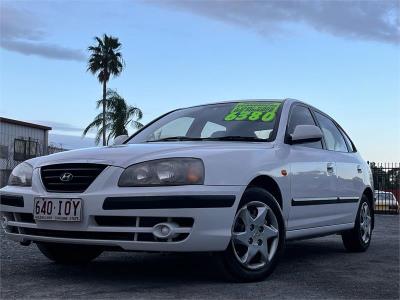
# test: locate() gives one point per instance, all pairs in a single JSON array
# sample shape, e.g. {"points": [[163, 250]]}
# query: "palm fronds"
{"points": [[118, 116], [105, 58]]}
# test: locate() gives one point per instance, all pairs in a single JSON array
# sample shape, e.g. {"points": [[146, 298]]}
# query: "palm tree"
{"points": [[105, 60], [118, 116]]}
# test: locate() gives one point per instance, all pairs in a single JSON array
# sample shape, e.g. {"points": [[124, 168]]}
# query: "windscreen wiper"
{"points": [[222, 138], [235, 138], [176, 138]]}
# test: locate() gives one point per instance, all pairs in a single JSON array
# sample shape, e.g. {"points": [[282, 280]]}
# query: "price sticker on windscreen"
{"points": [[265, 112]]}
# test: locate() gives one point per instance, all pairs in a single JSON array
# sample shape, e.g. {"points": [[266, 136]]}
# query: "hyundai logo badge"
{"points": [[66, 177]]}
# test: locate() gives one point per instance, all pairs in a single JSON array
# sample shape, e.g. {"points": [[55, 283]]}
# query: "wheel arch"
{"points": [[269, 184], [370, 196]]}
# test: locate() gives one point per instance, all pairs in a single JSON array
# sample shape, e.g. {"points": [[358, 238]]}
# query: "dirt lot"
{"points": [[318, 268]]}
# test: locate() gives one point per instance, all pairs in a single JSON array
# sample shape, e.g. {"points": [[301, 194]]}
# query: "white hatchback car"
{"points": [[386, 202], [236, 178]]}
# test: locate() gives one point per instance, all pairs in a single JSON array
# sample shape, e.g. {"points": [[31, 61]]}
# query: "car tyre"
{"points": [[69, 253], [359, 238], [267, 244]]}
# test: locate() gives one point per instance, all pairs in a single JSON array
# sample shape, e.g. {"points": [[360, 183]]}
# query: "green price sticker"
{"points": [[265, 112]]}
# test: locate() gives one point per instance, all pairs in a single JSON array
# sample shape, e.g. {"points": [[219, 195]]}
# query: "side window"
{"points": [[333, 138], [19, 150], [32, 149], [348, 141], [212, 129], [301, 115], [177, 127]]}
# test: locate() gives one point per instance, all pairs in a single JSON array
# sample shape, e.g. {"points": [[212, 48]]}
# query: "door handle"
{"points": [[359, 169], [330, 167]]}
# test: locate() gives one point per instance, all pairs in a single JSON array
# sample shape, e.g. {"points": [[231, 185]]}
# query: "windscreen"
{"points": [[243, 121], [382, 196]]}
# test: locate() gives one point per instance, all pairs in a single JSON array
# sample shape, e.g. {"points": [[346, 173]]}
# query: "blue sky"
{"points": [[185, 53]]}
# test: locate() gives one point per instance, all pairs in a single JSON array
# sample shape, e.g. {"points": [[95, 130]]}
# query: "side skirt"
{"points": [[317, 231]]}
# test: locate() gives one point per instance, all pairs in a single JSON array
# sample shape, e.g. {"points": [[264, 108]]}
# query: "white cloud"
{"points": [[21, 32], [365, 20]]}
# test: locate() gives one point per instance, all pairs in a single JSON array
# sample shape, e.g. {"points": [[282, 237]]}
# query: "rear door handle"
{"points": [[330, 167]]}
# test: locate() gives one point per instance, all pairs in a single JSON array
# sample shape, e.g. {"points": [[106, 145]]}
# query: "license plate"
{"points": [[67, 210]]}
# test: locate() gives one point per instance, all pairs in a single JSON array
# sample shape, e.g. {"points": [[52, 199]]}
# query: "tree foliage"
{"points": [[386, 177], [118, 116], [105, 60]]}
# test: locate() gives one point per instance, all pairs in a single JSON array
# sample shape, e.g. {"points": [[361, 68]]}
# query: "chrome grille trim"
{"points": [[83, 174]]}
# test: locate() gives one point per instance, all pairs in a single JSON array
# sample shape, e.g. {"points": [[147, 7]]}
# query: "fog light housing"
{"points": [[165, 230]]}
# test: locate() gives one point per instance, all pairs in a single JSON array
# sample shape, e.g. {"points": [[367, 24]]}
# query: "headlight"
{"points": [[21, 175], [169, 171]]}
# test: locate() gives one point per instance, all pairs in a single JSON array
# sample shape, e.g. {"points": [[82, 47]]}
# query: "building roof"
{"points": [[22, 123]]}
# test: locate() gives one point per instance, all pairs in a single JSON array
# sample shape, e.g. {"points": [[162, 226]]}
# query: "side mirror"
{"points": [[120, 139], [305, 134]]}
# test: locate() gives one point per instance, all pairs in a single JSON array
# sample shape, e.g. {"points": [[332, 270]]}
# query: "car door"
{"points": [[349, 168], [313, 177]]}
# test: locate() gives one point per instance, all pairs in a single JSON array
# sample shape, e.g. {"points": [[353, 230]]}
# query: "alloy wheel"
{"points": [[255, 235], [365, 223]]}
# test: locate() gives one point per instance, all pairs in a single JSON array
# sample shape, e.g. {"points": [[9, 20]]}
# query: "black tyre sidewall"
{"points": [[357, 227], [352, 239], [235, 270], [69, 253]]}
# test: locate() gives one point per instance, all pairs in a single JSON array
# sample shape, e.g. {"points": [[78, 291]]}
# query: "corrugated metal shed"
{"points": [[19, 141]]}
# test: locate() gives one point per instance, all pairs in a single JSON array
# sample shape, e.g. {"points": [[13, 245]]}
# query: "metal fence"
{"points": [[387, 187]]}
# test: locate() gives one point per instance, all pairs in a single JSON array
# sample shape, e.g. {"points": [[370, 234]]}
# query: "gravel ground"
{"points": [[312, 269]]}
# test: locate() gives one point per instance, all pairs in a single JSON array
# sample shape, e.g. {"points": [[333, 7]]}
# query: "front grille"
{"points": [[127, 221], [82, 175], [137, 224], [78, 234], [24, 217], [146, 222]]}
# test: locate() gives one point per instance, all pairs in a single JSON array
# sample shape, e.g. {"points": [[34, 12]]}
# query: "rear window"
{"points": [[382, 196]]}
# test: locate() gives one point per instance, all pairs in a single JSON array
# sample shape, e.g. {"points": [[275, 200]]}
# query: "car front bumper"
{"points": [[202, 215]]}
